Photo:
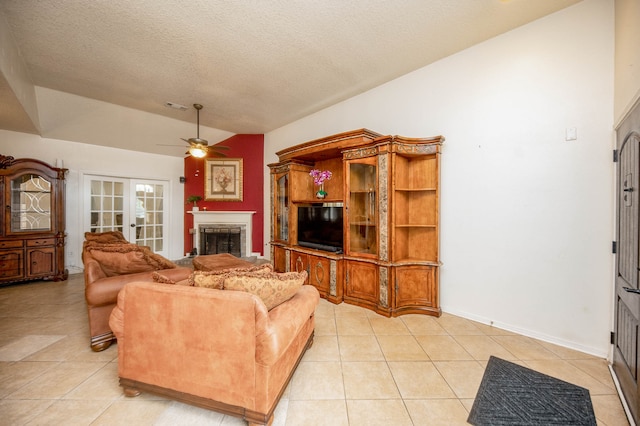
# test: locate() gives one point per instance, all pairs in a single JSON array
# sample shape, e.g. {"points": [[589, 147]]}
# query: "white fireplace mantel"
{"points": [[227, 218]]}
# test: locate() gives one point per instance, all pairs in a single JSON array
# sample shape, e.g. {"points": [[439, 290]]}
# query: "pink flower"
{"points": [[320, 176]]}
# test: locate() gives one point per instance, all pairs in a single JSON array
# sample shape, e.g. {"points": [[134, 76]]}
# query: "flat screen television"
{"points": [[320, 226]]}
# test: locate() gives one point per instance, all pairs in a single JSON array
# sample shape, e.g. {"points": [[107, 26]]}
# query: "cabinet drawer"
{"points": [[10, 244], [11, 264], [41, 242]]}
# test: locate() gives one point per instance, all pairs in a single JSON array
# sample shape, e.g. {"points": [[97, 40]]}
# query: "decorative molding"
{"points": [[333, 280], [383, 275], [383, 206], [361, 153], [287, 256], [6, 161], [416, 149]]}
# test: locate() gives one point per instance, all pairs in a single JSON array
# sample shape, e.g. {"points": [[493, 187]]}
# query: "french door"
{"points": [[137, 208]]}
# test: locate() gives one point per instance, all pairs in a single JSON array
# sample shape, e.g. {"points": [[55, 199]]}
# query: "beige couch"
{"points": [[218, 349]]}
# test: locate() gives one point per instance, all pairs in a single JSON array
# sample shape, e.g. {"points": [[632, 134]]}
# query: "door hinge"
{"points": [[615, 155], [613, 338], [614, 247]]}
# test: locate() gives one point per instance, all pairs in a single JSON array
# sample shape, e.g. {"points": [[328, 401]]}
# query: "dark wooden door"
{"points": [[627, 297]]}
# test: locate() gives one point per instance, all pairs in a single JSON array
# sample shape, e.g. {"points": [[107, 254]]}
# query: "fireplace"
{"points": [[211, 225], [215, 239]]}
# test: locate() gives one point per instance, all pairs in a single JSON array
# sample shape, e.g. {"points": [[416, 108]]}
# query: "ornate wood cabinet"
{"points": [[389, 189], [32, 236]]}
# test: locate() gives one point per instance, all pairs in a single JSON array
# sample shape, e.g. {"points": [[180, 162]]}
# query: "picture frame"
{"points": [[223, 179]]}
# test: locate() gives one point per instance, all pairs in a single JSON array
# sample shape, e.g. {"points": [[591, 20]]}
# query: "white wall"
{"points": [[83, 159], [526, 216]]}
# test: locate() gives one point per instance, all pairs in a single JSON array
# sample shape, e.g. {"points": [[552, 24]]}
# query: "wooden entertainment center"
{"points": [[388, 188]]}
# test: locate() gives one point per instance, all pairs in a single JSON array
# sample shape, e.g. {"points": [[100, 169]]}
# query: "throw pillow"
{"points": [[272, 287], [159, 278], [105, 237], [120, 259], [215, 279]]}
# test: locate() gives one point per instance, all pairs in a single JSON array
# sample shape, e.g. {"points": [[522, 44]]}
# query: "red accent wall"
{"points": [[251, 149]]}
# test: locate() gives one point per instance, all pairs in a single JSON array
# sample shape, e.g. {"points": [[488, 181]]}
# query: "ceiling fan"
{"points": [[198, 147]]}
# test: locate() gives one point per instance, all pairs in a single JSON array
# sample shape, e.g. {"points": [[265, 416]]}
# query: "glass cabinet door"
{"points": [[30, 196], [282, 208], [362, 208]]}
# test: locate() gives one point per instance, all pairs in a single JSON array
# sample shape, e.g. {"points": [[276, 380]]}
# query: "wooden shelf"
{"points": [[414, 226], [416, 189]]}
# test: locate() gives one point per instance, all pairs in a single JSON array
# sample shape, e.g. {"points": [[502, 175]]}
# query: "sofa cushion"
{"points": [[105, 237], [215, 279], [272, 287], [120, 259]]}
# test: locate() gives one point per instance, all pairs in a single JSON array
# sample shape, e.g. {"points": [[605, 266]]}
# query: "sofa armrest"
{"points": [[277, 330], [92, 271]]}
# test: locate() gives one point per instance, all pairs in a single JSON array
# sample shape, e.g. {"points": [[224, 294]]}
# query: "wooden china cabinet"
{"points": [[388, 187], [32, 236]]}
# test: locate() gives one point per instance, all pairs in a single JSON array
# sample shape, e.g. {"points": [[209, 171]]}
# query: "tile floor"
{"points": [[363, 369]]}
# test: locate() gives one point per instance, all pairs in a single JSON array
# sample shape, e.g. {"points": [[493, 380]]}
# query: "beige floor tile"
{"points": [[490, 330], [22, 411], [608, 410], [325, 326], [347, 309], [14, 375], [65, 349], [133, 411], [360, 348], [401, 348], [325, 309], [443, 348], [388, 326], [368, 380], [457, 326], [103, 385], [317, 380], [353, 325], [325, 348], [463, 377], [378, 412], [566, 353], [317, 413], [483, 347], [420, 380], [64, 412], [524, 348], [596, 368], [437, 412], [57, 381], [27, 345], [563, 370], [468, 403], [422, 325], [178, 413]]}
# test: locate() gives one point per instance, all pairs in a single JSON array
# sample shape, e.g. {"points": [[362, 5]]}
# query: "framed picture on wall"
{"points": [[223, 179]]}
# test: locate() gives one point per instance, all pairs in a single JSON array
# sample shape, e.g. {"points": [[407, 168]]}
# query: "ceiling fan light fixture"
{"points": [[198, 151]]}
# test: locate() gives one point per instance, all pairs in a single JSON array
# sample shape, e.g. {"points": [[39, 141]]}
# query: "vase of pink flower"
{"points": [[319, 177]]}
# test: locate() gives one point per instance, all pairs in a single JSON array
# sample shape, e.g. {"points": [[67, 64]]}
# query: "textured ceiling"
{"points": [[255, 65]]}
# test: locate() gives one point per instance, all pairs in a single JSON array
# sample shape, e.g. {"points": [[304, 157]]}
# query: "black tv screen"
{"points": [[320, 226]]}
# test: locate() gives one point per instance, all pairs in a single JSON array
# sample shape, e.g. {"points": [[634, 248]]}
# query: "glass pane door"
{"points": [[362, 209], [282, 208], [107, 204], [150, 213], [30, 203]]}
